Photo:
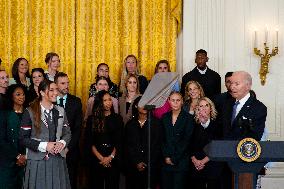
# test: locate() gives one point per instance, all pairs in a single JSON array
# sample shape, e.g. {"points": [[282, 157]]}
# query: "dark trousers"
{"points": [[227, 178], [104, 178], [204, 183], [174, 179], [139, 179], [72, 165]]}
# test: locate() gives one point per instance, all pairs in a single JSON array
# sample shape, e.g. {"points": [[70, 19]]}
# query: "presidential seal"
{"points": [[248, 149]]}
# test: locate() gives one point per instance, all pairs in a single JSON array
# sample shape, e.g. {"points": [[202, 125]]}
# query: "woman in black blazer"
{"points": [[204, 174], [177, 130]]}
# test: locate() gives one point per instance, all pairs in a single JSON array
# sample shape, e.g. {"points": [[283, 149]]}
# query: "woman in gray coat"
{"points": [[45, 133]]}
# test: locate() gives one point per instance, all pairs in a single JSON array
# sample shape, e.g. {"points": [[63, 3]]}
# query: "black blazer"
{"points": [[210, 81], [73, 109], [250, 121], [137, 143], [200, 138], [175, 144]]}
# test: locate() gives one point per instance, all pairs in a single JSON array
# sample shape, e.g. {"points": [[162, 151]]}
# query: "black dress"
{"points": [[105, 141], [137, 152], [210, 174]]}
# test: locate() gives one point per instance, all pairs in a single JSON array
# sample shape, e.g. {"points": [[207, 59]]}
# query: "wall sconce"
{"points": [[264, 58]]}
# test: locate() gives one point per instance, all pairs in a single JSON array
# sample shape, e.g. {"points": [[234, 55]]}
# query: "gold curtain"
{"points": [[32, 28], [88, 32]]}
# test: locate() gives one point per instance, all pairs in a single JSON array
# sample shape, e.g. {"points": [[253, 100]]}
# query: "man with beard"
{"points": [[4, 83], [73, 109]]}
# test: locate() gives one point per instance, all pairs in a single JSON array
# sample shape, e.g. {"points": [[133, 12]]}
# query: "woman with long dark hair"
{"points": [[103, 143], [37, 76], [20, 73], [45, 133], [101, 84]]}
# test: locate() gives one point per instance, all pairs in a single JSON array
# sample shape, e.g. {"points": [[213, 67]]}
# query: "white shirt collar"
{"points": [[202, 71], [44, 109], [64, 97], [244, 99], [242, 103], [205, 125]]}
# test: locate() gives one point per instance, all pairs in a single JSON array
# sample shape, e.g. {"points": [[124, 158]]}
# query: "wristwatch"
{"points": [[112, 156]]}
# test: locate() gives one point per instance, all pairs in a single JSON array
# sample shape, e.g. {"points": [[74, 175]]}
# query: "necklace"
{"points": [[18, 111], [142, 122]]}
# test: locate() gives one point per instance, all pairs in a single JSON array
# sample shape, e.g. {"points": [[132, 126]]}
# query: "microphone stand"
{"points": [[149, 109]]}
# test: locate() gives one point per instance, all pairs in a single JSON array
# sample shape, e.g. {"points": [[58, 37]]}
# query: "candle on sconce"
{"points": [[255, 38], [266, 35], [277, 37]]}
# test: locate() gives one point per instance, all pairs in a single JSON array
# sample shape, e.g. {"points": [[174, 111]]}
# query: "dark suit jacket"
{"points": [[73, 109], [137, 143], [175, 144], [200, 138], [210, 81], [10, 173], [250, 121], [219, 101]]}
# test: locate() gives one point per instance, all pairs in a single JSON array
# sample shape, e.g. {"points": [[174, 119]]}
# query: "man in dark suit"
{"points": [[220, 99], [4, 83], [73, 109], [244, 116], [207, 78]]}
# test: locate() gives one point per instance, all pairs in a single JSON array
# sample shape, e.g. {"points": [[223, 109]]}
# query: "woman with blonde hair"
{"points": [[204, 172], [193, 91], [131, 66]]}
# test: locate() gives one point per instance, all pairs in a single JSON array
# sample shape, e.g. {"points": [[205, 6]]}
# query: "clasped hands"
{"points": [[141, 166], [168, 161], [198, 164], [54, 147], [21, 160], [105, 161]]}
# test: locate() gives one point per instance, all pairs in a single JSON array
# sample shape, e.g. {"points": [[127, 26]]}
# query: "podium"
{"points": [[224, 150]]}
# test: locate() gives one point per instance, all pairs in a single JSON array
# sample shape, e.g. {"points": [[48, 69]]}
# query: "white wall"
{"points": [[225, 28]]}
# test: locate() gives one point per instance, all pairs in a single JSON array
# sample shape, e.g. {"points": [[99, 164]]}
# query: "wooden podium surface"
{"points": [[245, 181]]}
